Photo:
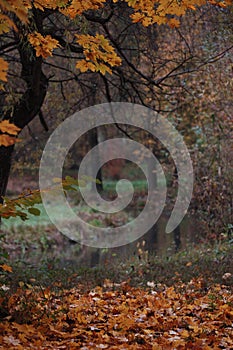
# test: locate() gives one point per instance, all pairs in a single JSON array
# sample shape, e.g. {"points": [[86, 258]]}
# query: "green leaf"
{"points": [[34, 211]]}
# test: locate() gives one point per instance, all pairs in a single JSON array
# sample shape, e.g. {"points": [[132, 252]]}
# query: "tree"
{"points": [[47, 42]]}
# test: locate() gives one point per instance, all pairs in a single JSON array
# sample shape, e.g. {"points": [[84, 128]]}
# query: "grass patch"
{"points": [[44, 258], [139, 185]]}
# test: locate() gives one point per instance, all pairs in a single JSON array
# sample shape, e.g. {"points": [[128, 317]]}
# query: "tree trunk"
{"points": [[151, 238], [5, 165], [24, 112], [177, 240], [93, 141]]}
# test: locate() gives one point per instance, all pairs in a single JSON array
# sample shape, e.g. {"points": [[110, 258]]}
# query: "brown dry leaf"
{"points": [[121, 317], [6, 268]]}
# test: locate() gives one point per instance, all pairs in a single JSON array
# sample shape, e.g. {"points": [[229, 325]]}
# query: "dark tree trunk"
{"points": [[93, 141], [151, 238], [24, 112], [95, 258], [5, 165], [26, 109], [177, 240]]}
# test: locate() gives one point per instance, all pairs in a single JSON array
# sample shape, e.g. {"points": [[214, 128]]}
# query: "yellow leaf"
{"points": [[184, 333], [137, 17], [7, 140], [99, 54], [191, 7], [3, 69], [147, 21], [43, 45], [77, 7], [18, 7], [84, 66], [9, 128], [6, 24], [174, 23]]}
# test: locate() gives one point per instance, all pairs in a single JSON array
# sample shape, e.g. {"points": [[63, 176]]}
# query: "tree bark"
{"points": [[25, 110], [5, 165], [93, 141], [177, 240]]}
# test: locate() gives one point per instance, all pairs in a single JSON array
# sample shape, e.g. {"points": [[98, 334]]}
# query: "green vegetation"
{"points": [[139, 186], [45, 257]]}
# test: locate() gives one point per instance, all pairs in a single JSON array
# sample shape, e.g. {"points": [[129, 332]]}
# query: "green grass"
{"points": [[139, 185], [46, 257]]}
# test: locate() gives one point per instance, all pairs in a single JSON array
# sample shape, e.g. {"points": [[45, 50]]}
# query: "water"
{"points": [[37, 240]]}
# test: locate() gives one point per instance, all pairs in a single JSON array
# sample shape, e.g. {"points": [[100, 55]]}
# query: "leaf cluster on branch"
{"points": [[145, 11]]}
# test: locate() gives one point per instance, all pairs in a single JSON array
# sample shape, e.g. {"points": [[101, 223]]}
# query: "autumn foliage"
{"points": [[185, 316], [9, 132], [95, 48], [99, 55], [120, 317]]}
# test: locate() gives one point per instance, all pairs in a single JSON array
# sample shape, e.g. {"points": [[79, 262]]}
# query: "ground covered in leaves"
{"points": [[184, 316]]}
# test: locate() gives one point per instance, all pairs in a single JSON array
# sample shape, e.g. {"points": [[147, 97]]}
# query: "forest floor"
{"points": [[181, 301]]}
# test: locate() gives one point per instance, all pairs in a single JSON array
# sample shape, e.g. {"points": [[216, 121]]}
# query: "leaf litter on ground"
{"points": [[183, 316]]}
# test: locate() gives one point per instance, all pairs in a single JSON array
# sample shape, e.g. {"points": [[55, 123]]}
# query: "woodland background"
{"points": [[175, 58]]}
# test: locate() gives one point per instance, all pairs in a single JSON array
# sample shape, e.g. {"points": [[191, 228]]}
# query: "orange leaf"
{"points": [[7, 140], [43, 45], [99, 54], [6, 268], [9, 128], [174, 23], [3, 69]]}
